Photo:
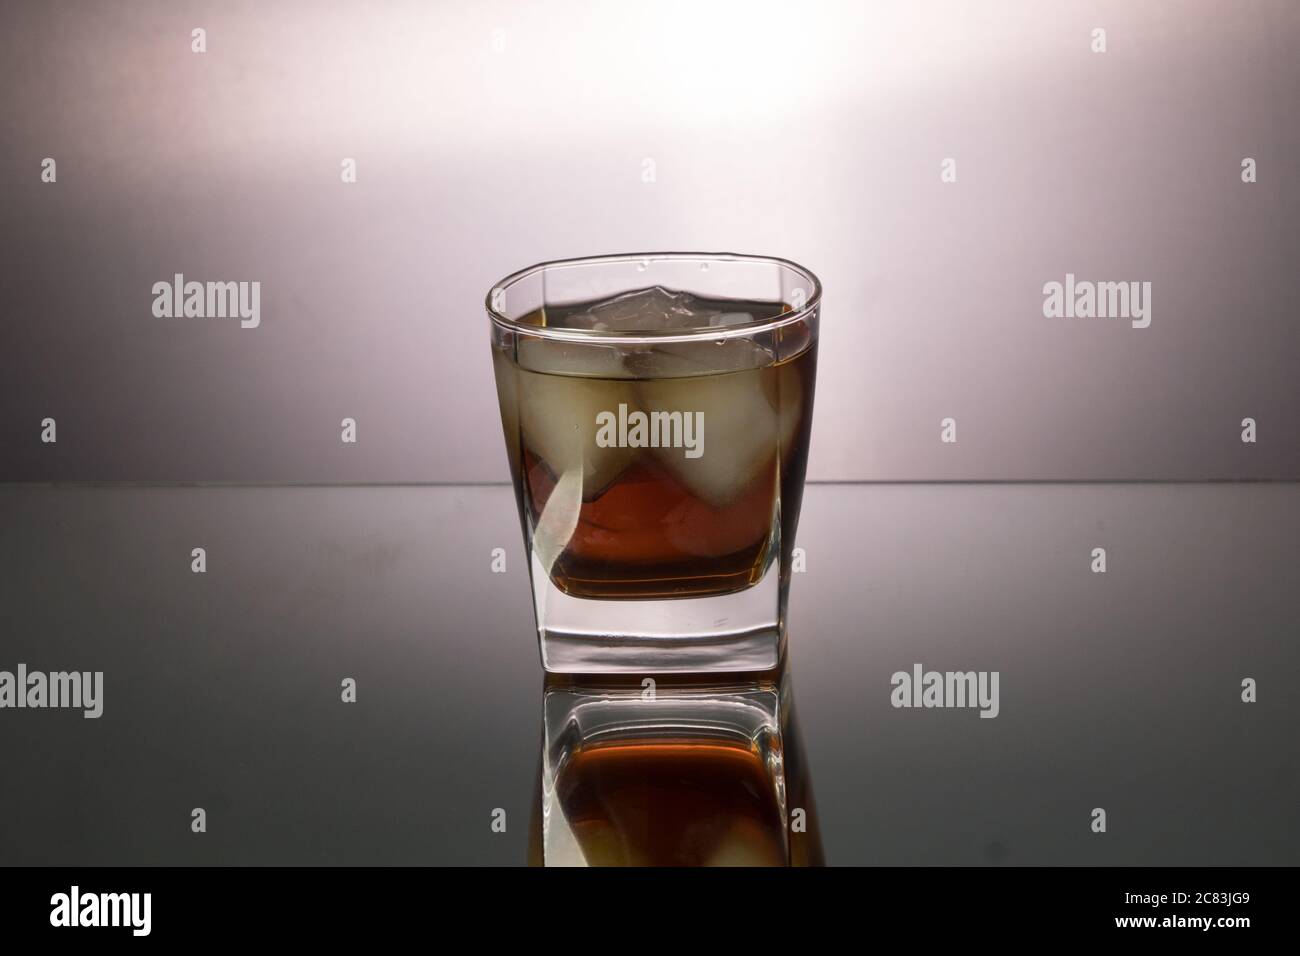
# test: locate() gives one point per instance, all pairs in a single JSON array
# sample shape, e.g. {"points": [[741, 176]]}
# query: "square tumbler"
{"points": [[657, 410]]}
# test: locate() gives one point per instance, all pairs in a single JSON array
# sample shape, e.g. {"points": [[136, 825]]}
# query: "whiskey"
{"points": [[668, 469]]}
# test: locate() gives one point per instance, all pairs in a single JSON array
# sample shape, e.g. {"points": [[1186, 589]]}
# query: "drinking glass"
{"points": [[657, 410]]}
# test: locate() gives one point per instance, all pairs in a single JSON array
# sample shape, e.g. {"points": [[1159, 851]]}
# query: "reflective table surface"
{"points": [[1118, 690]]}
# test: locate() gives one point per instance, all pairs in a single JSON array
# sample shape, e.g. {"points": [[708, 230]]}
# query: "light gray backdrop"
{"points": [[489, 136]]}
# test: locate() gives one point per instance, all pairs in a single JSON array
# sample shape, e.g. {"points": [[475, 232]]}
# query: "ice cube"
{"points": [[725, 319], [557, 411], [745, 429], [556, 357], [559, 518], [646, 310], [703, 357]]}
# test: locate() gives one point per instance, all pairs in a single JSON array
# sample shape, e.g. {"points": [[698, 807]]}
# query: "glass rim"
{"points": [[593, 336]]}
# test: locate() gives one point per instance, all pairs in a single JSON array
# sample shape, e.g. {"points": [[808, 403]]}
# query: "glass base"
{"points": [[738, 632]]}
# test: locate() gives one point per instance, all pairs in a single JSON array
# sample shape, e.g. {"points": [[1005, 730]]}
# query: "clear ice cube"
{"points": [[561, 390], [650, 310], [741, 434]]}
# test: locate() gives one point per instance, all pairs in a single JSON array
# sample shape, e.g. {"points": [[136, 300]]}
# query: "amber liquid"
{"points": [[651, 523], [673, 803]]}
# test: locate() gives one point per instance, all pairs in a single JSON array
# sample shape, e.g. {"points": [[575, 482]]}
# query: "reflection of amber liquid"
{"points": [[695, 787], [673, 803]]}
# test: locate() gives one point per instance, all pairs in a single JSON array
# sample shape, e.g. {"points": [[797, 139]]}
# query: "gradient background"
{"points": [[492, 135]]}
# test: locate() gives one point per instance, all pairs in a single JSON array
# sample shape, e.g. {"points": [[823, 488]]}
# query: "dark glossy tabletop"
{"points": [[1120, 690]]}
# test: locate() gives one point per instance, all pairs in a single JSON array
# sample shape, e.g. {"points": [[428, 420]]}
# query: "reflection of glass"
{"points": [[657, 411], [691, 772]]}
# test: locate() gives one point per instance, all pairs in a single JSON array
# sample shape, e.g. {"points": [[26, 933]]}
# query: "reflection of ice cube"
{"points": [[649, 310], [748, 843]]}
